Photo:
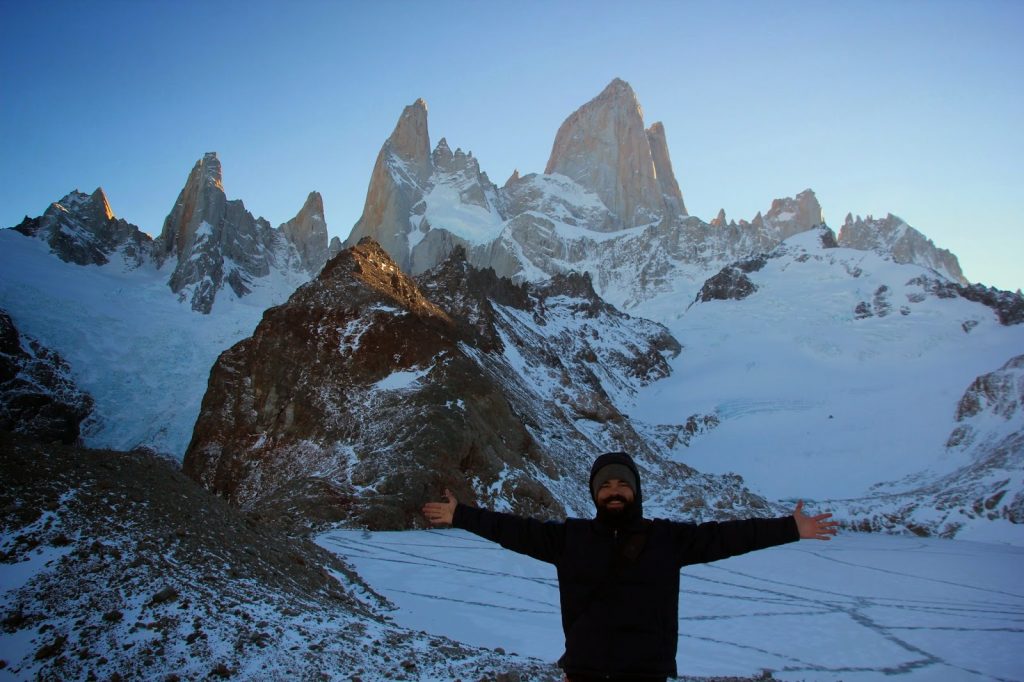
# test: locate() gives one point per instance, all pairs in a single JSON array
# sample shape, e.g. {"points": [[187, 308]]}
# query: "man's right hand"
{"points": [[440, 513]]}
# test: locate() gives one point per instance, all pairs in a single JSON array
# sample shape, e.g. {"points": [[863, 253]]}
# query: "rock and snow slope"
{"points": [[123, 310], [830, 370], [370, 392], [116, 566]]}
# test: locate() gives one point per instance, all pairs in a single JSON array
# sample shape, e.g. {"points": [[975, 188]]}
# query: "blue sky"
{"points": [[913, 108]]}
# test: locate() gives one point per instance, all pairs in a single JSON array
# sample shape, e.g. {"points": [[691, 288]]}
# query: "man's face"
{"points": [[614, 496]]}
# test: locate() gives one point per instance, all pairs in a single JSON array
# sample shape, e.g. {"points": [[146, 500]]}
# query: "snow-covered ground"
{"points": [[812, 401], [859, 607]]}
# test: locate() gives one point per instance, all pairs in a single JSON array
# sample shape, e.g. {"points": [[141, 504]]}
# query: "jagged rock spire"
{"points": [[663, 168], [201, 200], [397, 183], [604, 147], [307, 231]]}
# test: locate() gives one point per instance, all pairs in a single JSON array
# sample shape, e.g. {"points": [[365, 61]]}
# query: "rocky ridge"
{"points": [[208, 241], [216, 242], [375, 391], [892, 237], [82, 229], [38, 397]]}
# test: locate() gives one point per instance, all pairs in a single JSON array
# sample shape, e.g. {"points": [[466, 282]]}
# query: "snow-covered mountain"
{"points": [[797, 347], [82, 229], [607, 204], [827, 370], [116, 566], [124, 310], [215, 242], [369, 392]]}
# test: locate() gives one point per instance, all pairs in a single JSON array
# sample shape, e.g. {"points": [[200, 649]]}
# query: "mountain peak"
{"points": [[604, 147], [410, 140], [99, 200], [892, 237], [307, 231], [619, 89], [210, 170]]}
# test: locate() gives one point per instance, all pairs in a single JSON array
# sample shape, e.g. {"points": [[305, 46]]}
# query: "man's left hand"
{"points": [[814, 527]]}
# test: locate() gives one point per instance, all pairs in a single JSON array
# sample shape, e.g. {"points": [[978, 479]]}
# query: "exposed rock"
{"points": [[378, 391], [790, 216], [216, 242], [335, 248], [663, 169], [307, 231], [1008, 306], [604, 148], [83, 229], [38, 397], [731, 283], [893, 238], [398, 182]]}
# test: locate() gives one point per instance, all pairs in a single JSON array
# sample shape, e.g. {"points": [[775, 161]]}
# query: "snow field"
{"points": [[858, 607]]}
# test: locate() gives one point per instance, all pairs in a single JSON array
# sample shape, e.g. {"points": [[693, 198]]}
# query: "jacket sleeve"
{"points": [[538, 539], [695, 544]]}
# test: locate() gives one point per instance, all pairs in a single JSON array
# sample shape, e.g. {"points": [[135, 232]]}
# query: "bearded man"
{"points": [[618, 573]]}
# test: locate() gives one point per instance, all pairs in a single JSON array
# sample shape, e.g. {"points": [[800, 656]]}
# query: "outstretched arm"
{"points": [[538, 539], [814, 527], [441, 513]]}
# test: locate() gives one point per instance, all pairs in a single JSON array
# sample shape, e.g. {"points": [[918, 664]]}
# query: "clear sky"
{"points": [[914, 108]]}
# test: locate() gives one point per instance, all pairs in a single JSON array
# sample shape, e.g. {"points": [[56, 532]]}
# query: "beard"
{"points": [[614, 514]]}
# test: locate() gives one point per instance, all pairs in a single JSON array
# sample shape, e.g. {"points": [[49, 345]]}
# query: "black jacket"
{"points": [[619, 582]]}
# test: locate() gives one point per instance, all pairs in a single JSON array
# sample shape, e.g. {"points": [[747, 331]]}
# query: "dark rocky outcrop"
{"points": [[731, 283], [1008, 306], [370, 392], [38, 397]]}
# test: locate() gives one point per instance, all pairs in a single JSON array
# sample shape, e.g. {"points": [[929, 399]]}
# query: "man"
{"points": [[618, 574]]}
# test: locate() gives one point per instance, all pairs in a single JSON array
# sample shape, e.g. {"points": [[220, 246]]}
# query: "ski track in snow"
{"points": [[856, 608]]}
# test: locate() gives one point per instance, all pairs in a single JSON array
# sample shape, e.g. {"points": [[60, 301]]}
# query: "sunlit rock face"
{"points": [[670, 191], [307, 232], [215, 242], [608, 204], [892, 237], [397, 184], [604, 147], [82, 229]]}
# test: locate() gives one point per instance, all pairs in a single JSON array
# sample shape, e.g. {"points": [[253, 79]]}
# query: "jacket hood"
{"points": [[624, 459]]}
